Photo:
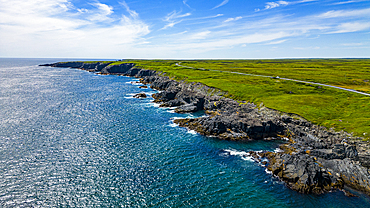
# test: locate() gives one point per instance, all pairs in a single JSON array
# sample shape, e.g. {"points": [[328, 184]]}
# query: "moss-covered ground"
{"points": [[324, 106]]}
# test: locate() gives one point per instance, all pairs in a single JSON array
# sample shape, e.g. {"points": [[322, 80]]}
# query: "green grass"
{"points": [[90, 62], [324, 106], [348, 73]]}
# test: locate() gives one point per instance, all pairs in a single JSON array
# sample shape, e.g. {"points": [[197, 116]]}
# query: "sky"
{"points": [[184, 29]]}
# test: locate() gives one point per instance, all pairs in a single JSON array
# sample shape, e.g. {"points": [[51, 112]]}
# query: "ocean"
{"points": [[71, 138]]}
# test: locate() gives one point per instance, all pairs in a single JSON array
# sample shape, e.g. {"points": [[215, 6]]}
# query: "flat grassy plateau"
{"points": [[325, 106]]}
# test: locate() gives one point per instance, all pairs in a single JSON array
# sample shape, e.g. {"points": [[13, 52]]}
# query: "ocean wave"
{"points": [[173, 125], [192, 132]]}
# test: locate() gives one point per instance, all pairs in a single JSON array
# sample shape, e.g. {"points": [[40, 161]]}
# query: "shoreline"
{"points": [[314, 160]]}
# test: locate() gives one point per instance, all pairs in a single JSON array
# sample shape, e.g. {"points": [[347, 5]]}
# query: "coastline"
{"points": [[314, 160]]}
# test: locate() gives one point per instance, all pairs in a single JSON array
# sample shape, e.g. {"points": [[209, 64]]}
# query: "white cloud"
{"points": [[101, 14], [307, 48], [348, 2], [220, 5], [303, 1], [230, 41], [271, 5], [276, 42], [200, 35], [175, 15], [131, 12], [351, 27], [352, 44], [233, 19], [345, 13], [55, 28], [186, 4], [170, 24], [171, 18]]}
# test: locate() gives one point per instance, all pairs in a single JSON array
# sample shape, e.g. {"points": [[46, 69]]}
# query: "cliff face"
{"points": [[314, 160], [93, 67], [118, 69]]}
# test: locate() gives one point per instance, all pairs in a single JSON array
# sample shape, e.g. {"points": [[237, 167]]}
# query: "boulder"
{"points": [[140, 95], [188, 108]]}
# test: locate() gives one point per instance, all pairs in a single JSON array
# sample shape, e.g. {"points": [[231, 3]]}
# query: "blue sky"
{"points": [[185, 29]]}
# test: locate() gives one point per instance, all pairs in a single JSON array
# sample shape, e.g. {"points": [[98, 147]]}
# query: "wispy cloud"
{"points": [[345, 13], [186, 4], [100, 14], [271, 30], [348, 2], [173, 17], [271, 5], [275, 4], [170, 24], [233, 19], [275, 42], [199, 35], [351, 27], [307, 48], [132, 13], [352, 44], [220, 5]]}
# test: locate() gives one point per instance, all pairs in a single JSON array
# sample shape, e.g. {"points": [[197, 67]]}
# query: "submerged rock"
{"points": [[140, 95]]}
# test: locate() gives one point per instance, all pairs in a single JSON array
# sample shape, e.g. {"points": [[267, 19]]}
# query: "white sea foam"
{"points": [[237, 153], [134, 82], [174, 118], [248, 158], [277, 150], [151, 104], [129, 95], [268, 172], [285, 138], [244, 155], [192, 132], [173, 125], [260, 151]]}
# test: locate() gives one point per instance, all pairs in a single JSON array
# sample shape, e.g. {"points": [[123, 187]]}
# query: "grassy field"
{"points": [[325, 106]]}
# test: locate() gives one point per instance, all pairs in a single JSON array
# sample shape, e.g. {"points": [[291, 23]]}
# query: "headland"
{"points": [[314, 159]]}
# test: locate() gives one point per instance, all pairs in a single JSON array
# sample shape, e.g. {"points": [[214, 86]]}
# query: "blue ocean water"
{"points": [[70, 138]]}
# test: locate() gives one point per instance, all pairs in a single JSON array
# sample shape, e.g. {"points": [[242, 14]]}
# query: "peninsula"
{"points": [[326, 129]]}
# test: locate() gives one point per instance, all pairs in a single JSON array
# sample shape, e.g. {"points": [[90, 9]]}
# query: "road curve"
{"points": [[294, 80]]}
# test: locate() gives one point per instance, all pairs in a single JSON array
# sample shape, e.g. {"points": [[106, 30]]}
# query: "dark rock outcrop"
{"points": [[118, 69], [140, 95], [303, 173], [89, 66]]}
